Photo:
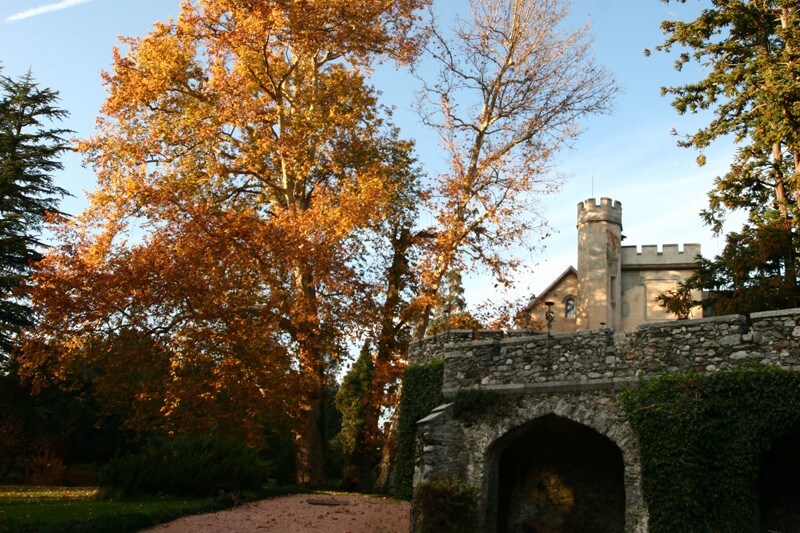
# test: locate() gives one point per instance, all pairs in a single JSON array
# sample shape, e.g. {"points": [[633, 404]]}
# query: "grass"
{"points": [[71, 509], [28, 509]]}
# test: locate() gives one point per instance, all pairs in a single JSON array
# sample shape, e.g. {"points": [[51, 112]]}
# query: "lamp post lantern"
{"points": [[549, 316]]}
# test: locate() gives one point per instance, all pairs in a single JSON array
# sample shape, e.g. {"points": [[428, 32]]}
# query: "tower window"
{"points": [[569, 307]]}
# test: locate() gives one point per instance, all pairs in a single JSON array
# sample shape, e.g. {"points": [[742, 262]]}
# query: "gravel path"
{"points": [[301, 513]]}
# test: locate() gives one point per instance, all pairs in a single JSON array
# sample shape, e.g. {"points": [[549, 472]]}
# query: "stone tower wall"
{"points": [[599, 267]]}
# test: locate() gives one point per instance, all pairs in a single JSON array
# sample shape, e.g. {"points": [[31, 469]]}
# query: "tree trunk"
{"points": [[308, 435], [385, 472], [308, 442], [366, 455], [780, 182]]}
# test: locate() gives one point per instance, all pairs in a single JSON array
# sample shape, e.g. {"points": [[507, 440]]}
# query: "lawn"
{"points": [[74, 509]]}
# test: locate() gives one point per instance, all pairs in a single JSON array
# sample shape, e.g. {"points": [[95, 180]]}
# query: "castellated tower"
{"points": [[614, 286], [599, 300]]}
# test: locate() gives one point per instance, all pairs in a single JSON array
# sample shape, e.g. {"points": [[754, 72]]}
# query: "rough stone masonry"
{"points": [[574, 377]]}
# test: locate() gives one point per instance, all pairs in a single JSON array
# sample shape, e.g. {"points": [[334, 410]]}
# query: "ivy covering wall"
{"points": [[703, 439], [422, 392]]}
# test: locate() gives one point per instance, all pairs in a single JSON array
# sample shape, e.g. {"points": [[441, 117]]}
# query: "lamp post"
{"points": [[549, 316]]}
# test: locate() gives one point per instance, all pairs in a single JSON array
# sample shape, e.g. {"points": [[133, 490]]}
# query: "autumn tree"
{"points": [[30, 147], [242, 140], [512, 87], [509, 89]]}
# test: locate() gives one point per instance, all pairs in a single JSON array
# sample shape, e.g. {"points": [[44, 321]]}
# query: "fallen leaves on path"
{"points": [[301, 513]]}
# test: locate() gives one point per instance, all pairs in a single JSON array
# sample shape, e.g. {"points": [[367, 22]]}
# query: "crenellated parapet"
{"points": [[651, 256], [607, 210], [602, 358]]}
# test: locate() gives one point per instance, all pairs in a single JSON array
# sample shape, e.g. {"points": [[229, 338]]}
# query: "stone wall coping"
{"points": [[591, 333], [522, 339], [551, 386], [436, 413], [464, 334], [517, 336], [467, 336], [524, 333], [490, 342], [672, 324], [772, 314]]}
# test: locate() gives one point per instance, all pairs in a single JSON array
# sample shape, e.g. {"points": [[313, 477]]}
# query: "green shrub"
{"points": [[183, 465], [422, 391], [445, 505], [12, 442]]}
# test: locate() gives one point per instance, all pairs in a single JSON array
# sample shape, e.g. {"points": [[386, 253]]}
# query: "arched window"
{"points": [[569, 307]]}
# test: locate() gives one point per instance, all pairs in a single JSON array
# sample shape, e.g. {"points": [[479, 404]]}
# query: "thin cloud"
{"points": [[47, 8]]}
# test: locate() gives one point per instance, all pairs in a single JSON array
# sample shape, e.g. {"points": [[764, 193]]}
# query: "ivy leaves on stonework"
{"points": [[702, 441]]}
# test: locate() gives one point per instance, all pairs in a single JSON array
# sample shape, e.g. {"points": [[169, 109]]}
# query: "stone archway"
{"points": [[779, 485], [558, 475], [573, 417]]}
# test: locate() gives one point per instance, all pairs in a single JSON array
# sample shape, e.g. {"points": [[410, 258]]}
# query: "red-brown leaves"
{"points": [[240, 154]]}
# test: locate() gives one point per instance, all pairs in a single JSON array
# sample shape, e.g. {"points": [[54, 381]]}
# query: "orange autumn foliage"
{"points": [[165, 331], [217, 272]]}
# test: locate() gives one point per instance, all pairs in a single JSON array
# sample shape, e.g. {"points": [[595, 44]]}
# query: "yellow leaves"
{"points": [[360, 29], [156, 73], [246, 152]]}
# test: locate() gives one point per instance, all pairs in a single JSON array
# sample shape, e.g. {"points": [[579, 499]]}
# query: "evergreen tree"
{"points": [[29, 151], [452, 312], [749, 52], [755, 272], [357, 440]]}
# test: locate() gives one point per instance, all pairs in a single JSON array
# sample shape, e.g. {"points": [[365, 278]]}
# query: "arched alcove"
{"points": [[554, 474], [779, 485]]}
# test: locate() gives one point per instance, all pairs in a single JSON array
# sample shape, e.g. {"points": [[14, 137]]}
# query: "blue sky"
{"points": [[629, 155]]}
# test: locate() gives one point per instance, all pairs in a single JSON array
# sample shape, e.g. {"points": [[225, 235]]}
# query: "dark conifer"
{"points": [[29, 155], [749, 54]]}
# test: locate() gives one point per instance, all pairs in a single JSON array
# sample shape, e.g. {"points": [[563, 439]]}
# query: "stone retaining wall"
{"points": [[601, 358]]}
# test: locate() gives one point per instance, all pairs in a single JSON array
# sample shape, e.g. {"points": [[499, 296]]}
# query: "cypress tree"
{"points": [[357, 443]]}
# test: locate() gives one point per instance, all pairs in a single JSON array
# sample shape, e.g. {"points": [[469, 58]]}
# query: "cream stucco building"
{"points": [[614, 286]]}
